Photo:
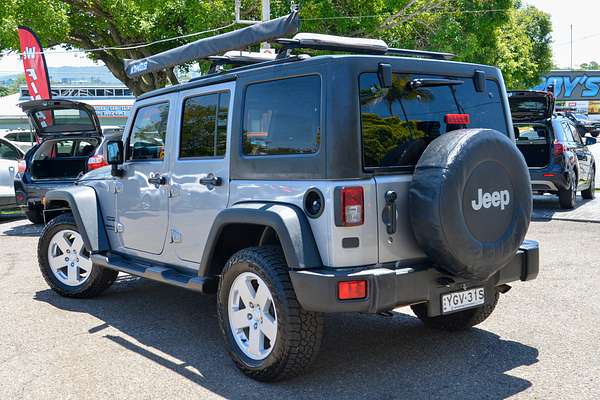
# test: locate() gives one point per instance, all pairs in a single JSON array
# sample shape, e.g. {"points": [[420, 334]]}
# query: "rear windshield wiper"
{"points": [[430, 82]]}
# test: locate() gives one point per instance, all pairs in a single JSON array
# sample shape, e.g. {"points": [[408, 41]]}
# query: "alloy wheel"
{"points": [[252, 316], [68, 258]]}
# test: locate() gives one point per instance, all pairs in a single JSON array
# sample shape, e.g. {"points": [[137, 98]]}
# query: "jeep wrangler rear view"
{"points": [[293, 186]]}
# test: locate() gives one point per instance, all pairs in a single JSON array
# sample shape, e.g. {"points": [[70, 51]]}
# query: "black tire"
{"points": [[567, 198], [590, 192], [35, 215], [100, 278], [470, 202], [299, 331], [458, 321], [595, 134]]}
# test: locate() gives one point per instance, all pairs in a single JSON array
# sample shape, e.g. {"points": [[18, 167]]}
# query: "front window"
{"points": [[147, 140], [282, 117], [398, 123]]}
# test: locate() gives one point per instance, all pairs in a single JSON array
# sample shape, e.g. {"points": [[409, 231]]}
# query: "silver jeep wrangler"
{"points": [[293, 186]]}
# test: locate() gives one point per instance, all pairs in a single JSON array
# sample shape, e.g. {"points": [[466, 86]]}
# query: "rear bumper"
{"points": [[547, 180], [30, 194], [388, 288]]}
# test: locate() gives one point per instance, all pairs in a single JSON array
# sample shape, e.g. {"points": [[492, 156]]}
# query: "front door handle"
{"points": [[11, 168], [157, 180], [211, 180], [389, 212]]}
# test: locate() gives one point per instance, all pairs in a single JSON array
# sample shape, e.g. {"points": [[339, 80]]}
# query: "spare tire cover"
{"points": [[470, 202]]}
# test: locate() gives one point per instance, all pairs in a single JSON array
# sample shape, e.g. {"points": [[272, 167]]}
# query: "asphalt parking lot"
{"points": [[146, 340]]}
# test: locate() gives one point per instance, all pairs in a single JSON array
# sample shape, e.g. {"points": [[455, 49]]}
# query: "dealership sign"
{"points": [[573, 85], [112, 111]]}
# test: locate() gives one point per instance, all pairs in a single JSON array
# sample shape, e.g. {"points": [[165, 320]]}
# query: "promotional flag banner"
{"points": [[34, 63]]}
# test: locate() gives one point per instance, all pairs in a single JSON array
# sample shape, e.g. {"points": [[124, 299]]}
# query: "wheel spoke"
{"points": [[57, 262], [262, 296], [85, 263], [72, 273], [63, 244], [254, 341], [269, 327], [239, 319], [78, 244], [247, 292]]}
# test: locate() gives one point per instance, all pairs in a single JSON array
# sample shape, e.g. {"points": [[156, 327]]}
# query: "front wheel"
{"points": [[65, 262], [457, 321], [267, 333]]}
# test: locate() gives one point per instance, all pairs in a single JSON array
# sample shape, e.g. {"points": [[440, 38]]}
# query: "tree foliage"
{"points": [[497, 32], [592, 65]]}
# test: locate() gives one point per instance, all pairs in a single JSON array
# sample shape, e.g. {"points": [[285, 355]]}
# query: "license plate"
{"points": [[462, 300]]}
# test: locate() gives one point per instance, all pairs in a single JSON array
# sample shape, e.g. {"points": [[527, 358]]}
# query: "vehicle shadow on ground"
{"points": [[547, 207], [361, 356], [29, 230]]}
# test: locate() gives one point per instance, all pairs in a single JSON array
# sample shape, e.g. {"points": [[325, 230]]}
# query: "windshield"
{"points": [[399, 123]]}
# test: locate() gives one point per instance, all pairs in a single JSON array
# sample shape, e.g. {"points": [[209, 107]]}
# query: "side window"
{"points": [[204, 126], [568, 133], [282, 117], [575, 134], [7, 152], [147, 139], [86, 148]]}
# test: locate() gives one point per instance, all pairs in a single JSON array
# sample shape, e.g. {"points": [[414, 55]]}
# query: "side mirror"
{"points": [[590, 141], [114, 156], [384, 73]]}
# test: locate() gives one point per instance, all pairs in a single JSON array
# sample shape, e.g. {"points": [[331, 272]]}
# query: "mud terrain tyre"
{"points": [[458, 321], [65, 264], [294, 335], [470, 202]]}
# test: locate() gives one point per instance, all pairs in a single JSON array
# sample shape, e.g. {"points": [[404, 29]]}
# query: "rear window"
{"points": [[531, 132], [282, 117], [64, 120], [398, 123]]}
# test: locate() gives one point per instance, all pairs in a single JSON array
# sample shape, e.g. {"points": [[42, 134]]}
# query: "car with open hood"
{"points": [[70, 144], [557, 155]]}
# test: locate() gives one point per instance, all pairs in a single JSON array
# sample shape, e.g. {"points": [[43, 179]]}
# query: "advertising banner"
{"points": [[34, 63]]}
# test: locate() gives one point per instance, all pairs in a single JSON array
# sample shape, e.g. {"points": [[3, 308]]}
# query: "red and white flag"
{"points": [[34, 63]]}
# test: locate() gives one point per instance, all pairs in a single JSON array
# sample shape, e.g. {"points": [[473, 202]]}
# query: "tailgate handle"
{"points": [[389, 212]]}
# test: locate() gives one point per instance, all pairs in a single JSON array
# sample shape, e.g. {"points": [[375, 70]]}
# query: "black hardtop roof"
{"points": [[412, 64]]}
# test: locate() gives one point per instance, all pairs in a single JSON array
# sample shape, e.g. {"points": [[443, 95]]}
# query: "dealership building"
{"points": [[111, 102], [575, 90]]}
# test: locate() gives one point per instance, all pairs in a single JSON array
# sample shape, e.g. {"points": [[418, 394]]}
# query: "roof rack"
{"points": [[315, 41], [239, 59], [215, 45]]}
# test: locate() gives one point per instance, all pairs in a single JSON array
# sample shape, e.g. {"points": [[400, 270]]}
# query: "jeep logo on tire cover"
{"points": [[495, 199]]}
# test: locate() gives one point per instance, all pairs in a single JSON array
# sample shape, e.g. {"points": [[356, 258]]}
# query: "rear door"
{"points": [[9, 157], [397, 126], [200, 168], [584, 156]]}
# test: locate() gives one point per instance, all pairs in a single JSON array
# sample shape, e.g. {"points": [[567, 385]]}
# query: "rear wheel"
{"points": [[458, 321], [35, 215], [590, 192], [568, 197], [267, 334], [65, 262]]}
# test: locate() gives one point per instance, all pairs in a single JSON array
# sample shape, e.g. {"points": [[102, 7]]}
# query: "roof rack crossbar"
{"points": [[215, 45], [420, 53]]}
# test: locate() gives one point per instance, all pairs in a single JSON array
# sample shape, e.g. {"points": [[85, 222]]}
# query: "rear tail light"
{"points": [[352, 290], [22, 166], [353, 206], [457, 119], [96, 162], [559, 148]]}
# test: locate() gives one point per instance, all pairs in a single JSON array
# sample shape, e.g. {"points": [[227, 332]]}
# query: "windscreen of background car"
{"points": [[282, 117], [398, 122]]}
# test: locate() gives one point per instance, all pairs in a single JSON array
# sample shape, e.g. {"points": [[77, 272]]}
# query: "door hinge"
{"points": [[175, 236], [118, 187]]}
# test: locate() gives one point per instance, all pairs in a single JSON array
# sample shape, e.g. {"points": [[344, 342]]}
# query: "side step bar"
{"points": [[155, 272]]}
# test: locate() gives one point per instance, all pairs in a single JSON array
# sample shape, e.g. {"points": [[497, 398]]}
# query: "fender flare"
{"points": [[84, 206], [288, 221]]}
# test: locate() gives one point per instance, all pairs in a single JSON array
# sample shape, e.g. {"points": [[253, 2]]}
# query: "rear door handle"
{"points": [[389, 212], [211, 180]]}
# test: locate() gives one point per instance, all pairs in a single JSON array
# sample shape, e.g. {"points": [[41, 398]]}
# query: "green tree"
{"points": [[592, 65], [497, 32]]}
